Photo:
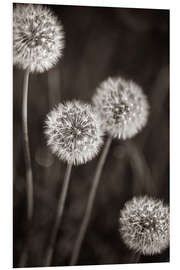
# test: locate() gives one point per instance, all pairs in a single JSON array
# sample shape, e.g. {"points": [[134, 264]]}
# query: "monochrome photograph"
{"points": [[90, 135]]}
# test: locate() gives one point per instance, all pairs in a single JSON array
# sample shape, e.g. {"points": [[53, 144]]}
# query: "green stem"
{"points": [[90, 203], [60, 209], [27, 156]]}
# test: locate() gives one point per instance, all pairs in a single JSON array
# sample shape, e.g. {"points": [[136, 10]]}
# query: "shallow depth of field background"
{"points": [[100, 42]]}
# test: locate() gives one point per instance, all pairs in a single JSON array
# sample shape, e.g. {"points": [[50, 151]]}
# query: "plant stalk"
{"points": [[60, 209], [90, 203], [135, 257], [27, 157], [29, 177]]}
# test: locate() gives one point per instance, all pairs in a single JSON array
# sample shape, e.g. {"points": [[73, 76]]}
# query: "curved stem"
{"points": [[60, 209], [141, 170], [27, 156], [89, 206], [29, 177]]}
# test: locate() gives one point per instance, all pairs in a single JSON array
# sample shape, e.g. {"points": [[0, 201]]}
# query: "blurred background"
{"points": [[100, 42]]}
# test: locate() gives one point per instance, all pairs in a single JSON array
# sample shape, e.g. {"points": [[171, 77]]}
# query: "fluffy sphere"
{"points": [[38, 37], [73, 132], [122, 106], [144, 225]]}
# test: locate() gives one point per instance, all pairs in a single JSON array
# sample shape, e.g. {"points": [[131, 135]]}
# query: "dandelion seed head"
{"points": [[38, 37], [73, 132], [123, 107], [144, 225]]}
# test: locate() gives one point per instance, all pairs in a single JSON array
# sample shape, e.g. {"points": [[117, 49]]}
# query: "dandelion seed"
{"points": [[38, 37], [144, 225], [122, 106], [73, 132]]}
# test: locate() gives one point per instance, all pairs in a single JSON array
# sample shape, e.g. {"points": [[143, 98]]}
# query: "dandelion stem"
{"points": [[60, 208], [29, 177], [143, 181], [138, 257], [135, 257], [27, 156], [23, 258], [90, 202]]}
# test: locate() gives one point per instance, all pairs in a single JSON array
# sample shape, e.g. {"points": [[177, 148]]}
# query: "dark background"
{"points": [[100, 42]]}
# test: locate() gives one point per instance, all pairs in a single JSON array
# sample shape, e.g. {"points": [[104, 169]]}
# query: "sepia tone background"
{"points": [[100, 42]]}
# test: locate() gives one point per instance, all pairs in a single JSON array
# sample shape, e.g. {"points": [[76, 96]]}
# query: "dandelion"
{"points": [[38, 38], [37, 46], [122, 106], [74, 134], [144, 225], [123, 111]]}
